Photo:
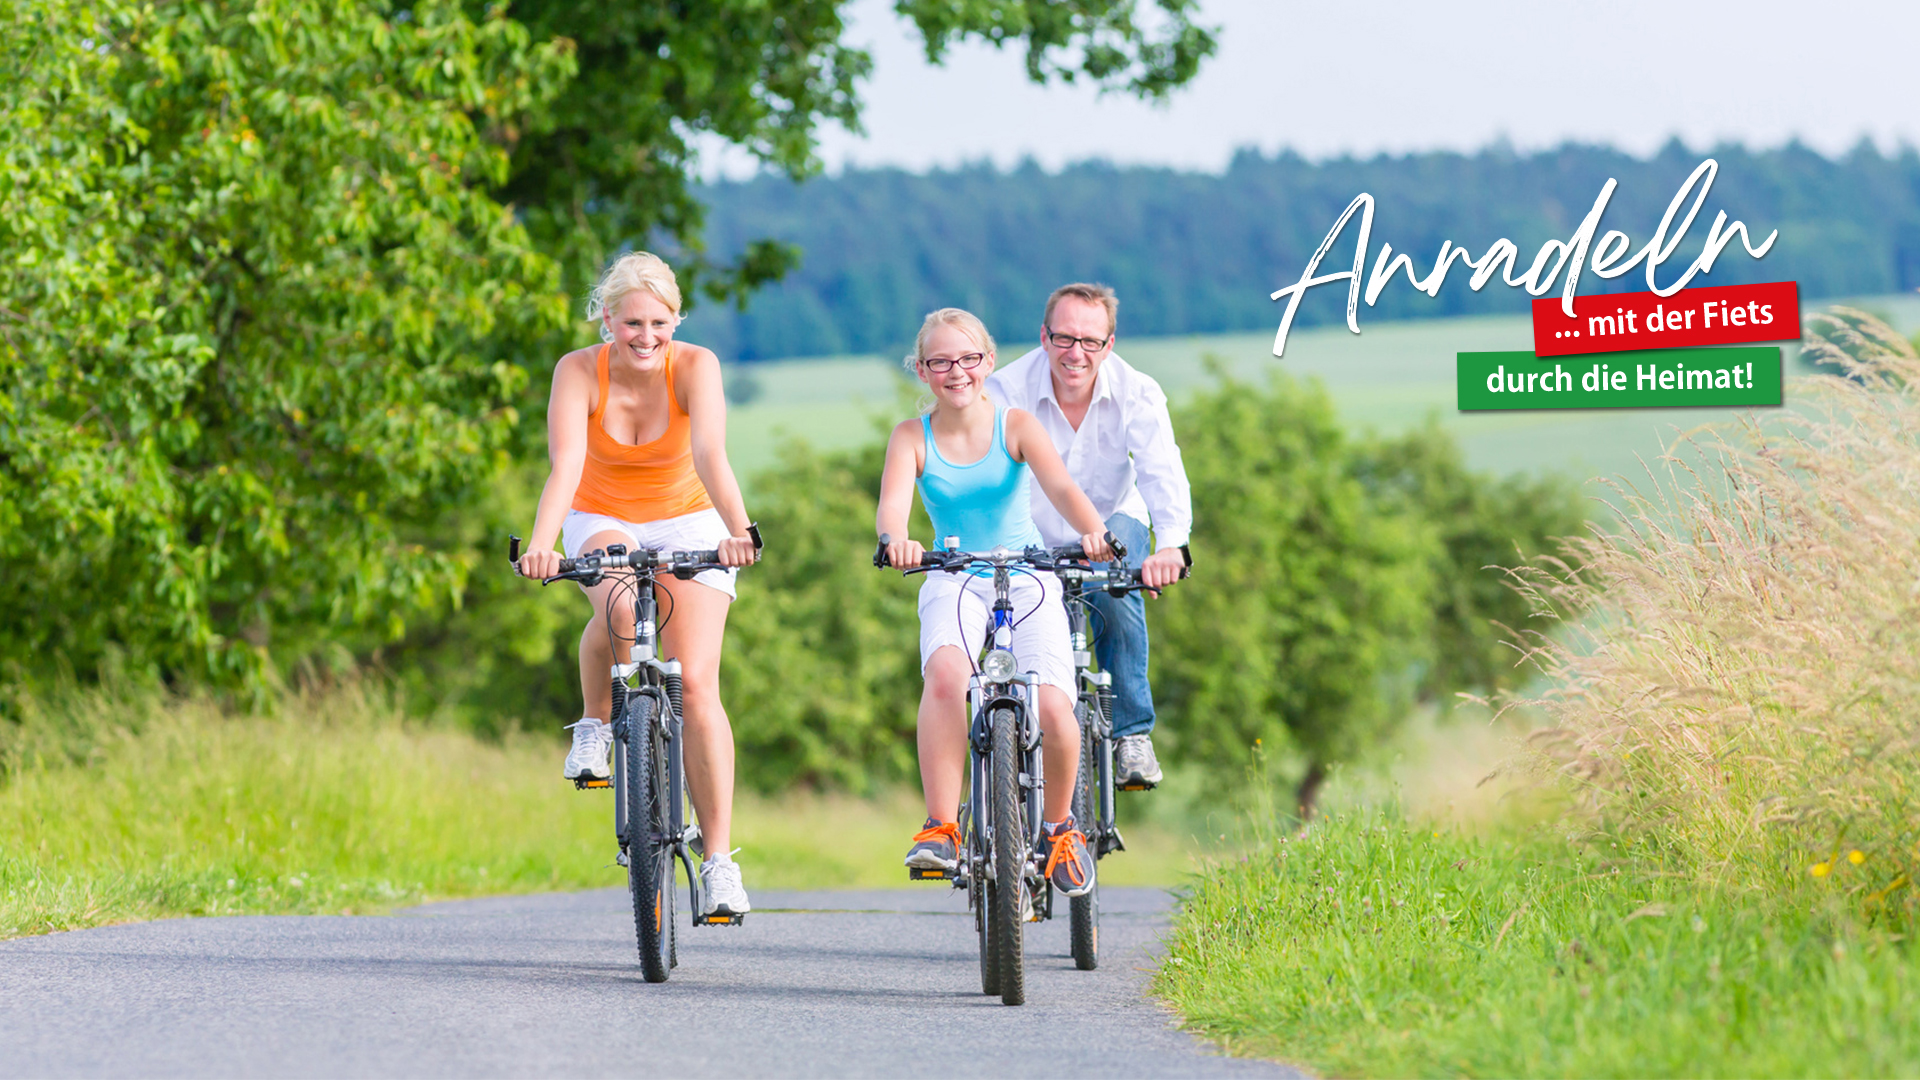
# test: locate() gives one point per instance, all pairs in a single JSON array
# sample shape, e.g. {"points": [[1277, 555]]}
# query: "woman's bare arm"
{"points": [[568, 406], [704, 395], [904, 450], [1027, 441]]}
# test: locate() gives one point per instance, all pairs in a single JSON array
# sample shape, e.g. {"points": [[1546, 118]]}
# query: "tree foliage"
{"points": [[1337, 581], [253, 313], [607, 162]]}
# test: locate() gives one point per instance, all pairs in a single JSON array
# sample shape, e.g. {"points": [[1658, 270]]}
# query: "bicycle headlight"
{"points": [[998, 666]]}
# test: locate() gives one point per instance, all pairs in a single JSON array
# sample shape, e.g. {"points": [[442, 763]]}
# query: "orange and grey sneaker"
{"points": [[1070, 865], [935, 847]]}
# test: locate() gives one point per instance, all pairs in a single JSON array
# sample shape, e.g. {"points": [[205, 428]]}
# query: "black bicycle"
{"points": [[1002, 849], [1093, 793], [651, 821]]}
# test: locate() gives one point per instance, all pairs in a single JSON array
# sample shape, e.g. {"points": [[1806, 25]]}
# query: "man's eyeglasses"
{"points": [[1064, 342], [940, 365]]}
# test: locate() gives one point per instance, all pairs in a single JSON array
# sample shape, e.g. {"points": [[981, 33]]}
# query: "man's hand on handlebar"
{"points": [[538, 565], [1162, 568]]}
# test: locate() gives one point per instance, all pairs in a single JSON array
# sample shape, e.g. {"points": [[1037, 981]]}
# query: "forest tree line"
{"points": [[1197, 253]]}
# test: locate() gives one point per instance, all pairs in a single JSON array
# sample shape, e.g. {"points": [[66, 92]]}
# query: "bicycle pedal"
{"points": [[721, 920], [915, 873], [1142, 786], [583, 783], [1109, 842]]}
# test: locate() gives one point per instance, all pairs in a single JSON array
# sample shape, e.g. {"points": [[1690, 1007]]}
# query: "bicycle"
{"points": [[650, 819], [1093, 793], [1001, 859]]}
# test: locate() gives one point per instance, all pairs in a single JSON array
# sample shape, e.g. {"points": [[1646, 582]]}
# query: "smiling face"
{"points": [[957, 387], [1074, 368], [642, 325]]}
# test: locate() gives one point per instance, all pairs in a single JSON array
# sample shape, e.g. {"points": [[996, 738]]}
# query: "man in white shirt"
{"points": [[1110, 424]]}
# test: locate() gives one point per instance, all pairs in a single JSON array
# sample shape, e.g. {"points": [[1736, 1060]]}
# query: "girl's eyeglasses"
{"points": [[940, 365]]}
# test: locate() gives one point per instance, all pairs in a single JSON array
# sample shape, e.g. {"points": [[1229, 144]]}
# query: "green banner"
{"points": [[1658, 378]]}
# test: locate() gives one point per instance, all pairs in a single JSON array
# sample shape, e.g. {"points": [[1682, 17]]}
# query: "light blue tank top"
{"points": [[985, 504]]}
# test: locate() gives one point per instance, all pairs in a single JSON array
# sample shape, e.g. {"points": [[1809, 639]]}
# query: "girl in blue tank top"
{"points": [[973, 463]]}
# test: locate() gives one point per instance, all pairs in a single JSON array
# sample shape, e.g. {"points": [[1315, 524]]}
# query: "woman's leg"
{"points": [[1060, 751], [596, 652], [943, 731], [693, 635]]}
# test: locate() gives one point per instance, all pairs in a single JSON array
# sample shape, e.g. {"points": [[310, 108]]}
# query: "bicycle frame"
{"points": [[1096, 699], [659, 679], [984, 698]]}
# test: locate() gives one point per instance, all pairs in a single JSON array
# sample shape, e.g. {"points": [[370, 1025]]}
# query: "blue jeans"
{"points": [[1120, 641]]}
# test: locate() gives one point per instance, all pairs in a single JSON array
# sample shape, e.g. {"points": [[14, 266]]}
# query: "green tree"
{"points": [[254, 300], [1339, 580], [1484, 524], [1308, 613], [607, 162]]}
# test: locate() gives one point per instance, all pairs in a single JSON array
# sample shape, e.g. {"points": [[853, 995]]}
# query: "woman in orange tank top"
{"points": [[637, 437]]}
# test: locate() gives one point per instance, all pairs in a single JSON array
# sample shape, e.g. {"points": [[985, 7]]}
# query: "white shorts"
{"points": [[701, 530], [957, 610]]}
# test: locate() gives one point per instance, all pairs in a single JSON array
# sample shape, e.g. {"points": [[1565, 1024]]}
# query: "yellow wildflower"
{"points": [[1820, 869], [1856, 856]]}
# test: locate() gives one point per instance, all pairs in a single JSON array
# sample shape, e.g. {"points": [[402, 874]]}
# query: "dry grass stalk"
{"points": [[1747, 671]]}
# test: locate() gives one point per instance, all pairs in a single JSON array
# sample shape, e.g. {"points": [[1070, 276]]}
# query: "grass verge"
{"points": [[335, 806], [1377, 947]]}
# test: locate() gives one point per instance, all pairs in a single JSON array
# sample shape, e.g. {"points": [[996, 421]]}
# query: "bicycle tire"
{"points": [[974, 852], [646, 852], [1083, 912], [1006, 929]]}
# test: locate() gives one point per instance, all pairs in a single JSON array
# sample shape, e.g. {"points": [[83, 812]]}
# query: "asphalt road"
{"points": [[814, 984]]}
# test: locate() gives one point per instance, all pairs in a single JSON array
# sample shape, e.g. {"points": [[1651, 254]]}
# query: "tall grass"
{"points": [[127, 805], [1743, 698], [124, 802]]}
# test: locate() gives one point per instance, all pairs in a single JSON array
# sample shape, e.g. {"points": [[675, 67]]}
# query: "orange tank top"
{"points": [[649, 482]]}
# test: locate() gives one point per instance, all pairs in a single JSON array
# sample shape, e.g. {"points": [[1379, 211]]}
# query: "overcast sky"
{"points": [[1332, 78]]}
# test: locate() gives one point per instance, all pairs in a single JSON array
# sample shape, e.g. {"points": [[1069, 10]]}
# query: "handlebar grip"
{"points": [[932, 558], [1119, 549], [753, 530], [880, 559], [513, 551]]}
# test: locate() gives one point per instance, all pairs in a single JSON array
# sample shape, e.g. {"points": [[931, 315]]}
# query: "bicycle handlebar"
{"points": [[681, 564], [1039, 558]]}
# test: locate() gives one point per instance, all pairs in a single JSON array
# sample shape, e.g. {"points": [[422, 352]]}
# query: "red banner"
{"points": [[1721, 315]]}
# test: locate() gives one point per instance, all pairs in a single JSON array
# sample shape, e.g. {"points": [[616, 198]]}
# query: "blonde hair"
{"points": [[1092, 294], [965, 321], [630, 273]]}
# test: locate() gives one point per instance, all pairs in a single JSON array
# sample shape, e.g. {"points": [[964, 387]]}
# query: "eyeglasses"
{"points": [[940, 365], [1067, 341]]}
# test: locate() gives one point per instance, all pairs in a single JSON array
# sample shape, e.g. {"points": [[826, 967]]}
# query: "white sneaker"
{"points": [[721, 892], [592, 741], [1134, 765]]}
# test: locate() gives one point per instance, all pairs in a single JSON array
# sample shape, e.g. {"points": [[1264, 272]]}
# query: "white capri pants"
{"points": [[701, 530], [957, 610]]}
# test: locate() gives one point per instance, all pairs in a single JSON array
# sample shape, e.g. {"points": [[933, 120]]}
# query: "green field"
{"points": [[1388, 377]]}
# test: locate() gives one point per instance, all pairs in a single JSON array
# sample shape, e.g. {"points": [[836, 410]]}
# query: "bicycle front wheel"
{"points": [[1006, 925], [1084, 911], [649, 871]]}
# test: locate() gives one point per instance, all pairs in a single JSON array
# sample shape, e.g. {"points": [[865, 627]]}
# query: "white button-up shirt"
{"points": [[1123, 455]]}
